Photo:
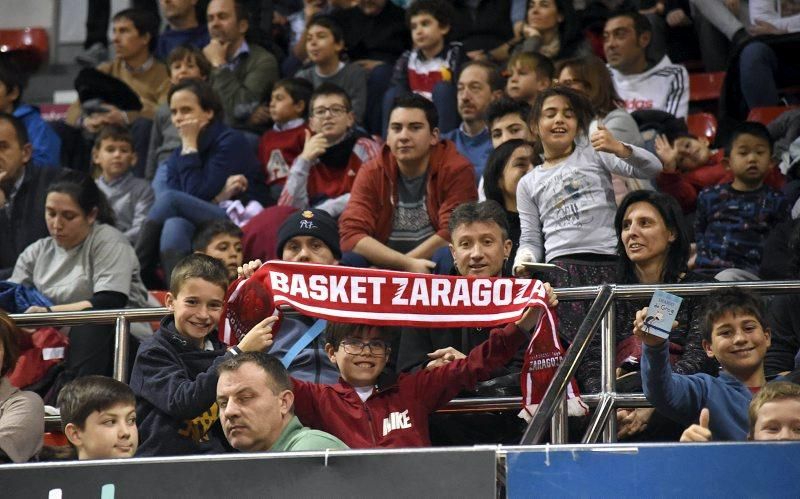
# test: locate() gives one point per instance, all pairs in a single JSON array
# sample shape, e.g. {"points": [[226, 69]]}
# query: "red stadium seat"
{"points": [[27, 46], [765, 115], [55, 439], [702, 125], [705, 86]]}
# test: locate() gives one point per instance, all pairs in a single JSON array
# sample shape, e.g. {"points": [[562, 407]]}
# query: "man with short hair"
{"points": [[480, 248], [641, 83], [182, 27], [401, 201], [23, 189], [255, 399], [306, 236], [134, 37], [242, 73], [479, 84]]}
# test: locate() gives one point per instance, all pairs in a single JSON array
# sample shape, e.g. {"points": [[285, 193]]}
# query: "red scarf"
{"points": [[384, 297]]}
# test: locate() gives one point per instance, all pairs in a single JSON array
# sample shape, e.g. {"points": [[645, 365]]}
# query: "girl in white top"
{"points": [[566, 205]]}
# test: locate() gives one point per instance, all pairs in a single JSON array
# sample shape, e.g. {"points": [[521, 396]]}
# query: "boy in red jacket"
{"points": [[690, 166], [369, 408]]}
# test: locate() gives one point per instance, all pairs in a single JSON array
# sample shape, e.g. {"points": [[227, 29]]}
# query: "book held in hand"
{"points": [[661, 313]]}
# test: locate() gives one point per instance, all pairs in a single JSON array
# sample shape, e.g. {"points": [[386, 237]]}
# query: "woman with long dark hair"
{"points": [[653, 245], [551, 28], [505, 167], [85, 263]]}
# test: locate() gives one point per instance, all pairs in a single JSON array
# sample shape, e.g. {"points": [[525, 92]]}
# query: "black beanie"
{"points": [[310, 222]]}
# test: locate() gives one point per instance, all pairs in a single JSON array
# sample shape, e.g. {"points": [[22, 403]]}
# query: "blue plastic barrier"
{"points": [[756, 469]]}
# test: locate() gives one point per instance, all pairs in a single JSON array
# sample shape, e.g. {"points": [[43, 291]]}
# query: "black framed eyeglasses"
{"points": [[377, 348], [336, 111]]}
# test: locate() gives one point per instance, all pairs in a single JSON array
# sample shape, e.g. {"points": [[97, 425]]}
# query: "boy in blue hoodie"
{"points": [[734, 335], [174, 376], [45, 141]]}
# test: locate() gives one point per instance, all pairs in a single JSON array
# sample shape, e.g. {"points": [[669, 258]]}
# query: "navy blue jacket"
{"points": [[176, 385], [222, 152]]}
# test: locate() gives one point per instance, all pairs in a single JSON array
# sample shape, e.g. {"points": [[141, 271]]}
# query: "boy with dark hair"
{"points": [[690, 166], [400, 202], [431, 67], [322, 175], [45, 141], [325, 46], [130, 197], [371, 408], [734, 219], [221, 239], [508, 119], [98, 415], [174, 375], [278, 147], [734, 335]]}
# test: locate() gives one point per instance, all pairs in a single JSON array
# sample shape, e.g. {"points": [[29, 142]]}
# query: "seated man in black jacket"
{"points": [[480, 247], [23, 188]]}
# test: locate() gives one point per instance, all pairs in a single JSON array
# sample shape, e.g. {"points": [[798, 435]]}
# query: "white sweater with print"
{"points": [[665, 87]]}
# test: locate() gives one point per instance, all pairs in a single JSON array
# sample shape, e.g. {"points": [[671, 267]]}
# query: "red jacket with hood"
{"points": [[451, 181], [396, 414]]}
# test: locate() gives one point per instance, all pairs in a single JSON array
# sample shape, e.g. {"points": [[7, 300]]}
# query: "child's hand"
{"points": [[666, 153], [647, 338], [443, 356], [259, 338], [698, 432], [248, 269], [604, 141], [260, 116], [314, 147]]}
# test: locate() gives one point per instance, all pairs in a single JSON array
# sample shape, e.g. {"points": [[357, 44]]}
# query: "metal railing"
{"points": [[608, 400], [552, 409]]}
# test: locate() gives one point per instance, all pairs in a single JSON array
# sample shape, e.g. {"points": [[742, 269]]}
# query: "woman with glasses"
{"points": [[214, 166], [590, 76]]}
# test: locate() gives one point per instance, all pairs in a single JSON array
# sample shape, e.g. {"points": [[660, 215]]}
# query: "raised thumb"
{"points": [[601, 125], [704, 417], [308, 134]]}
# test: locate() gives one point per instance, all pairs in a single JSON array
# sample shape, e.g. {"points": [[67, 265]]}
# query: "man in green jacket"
{"points": [[242, 73], [255, 399]]}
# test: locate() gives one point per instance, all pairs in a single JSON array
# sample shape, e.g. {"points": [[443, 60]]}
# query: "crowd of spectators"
{"points": [[460, 137]]}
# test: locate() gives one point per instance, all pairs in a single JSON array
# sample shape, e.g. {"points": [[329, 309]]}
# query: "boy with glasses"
{"points": [[373, 408], [323, 174]]}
